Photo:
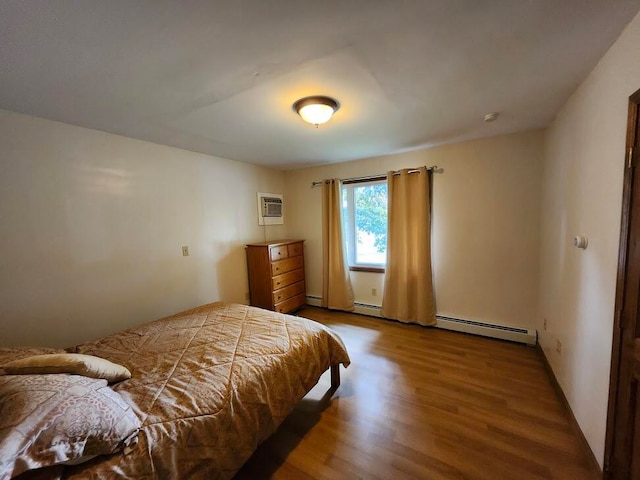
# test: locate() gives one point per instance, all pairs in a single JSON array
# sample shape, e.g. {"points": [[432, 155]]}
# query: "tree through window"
{"points": [[365, 223]]}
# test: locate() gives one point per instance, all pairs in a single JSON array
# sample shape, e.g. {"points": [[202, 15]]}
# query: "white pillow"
{"points": [[75, 363], [8, 354]]}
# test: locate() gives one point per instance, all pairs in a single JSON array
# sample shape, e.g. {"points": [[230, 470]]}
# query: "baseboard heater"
{"points": [[503, 332]]}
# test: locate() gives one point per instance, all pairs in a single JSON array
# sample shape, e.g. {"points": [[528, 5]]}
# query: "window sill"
{"points": [[355, 268]]}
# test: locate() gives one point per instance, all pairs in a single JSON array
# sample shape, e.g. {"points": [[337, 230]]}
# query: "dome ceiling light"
{"points": [[316, 109]]}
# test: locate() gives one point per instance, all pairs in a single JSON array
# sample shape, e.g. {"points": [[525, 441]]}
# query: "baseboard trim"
{"points": [[361, 308], [314, 301], [574, 423], [502, 332]]}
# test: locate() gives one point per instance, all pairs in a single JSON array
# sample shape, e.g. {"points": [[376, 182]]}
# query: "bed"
{"points": [[208, 386]]}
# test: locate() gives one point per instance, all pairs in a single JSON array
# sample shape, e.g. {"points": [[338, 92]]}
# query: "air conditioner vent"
{"points": [[270, 209]]}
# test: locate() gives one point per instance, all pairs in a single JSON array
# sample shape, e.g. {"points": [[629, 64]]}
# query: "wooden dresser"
{"points": [[276, 275]]}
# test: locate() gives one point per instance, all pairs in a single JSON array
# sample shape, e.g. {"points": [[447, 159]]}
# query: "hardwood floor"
{"points": [[429, 404]]}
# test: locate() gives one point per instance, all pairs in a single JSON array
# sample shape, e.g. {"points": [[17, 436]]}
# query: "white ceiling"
{"points": [[219, 77]]}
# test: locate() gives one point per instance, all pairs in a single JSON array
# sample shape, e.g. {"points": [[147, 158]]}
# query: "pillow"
{"points": [[76, 363], [15, 353], [51, 419]]}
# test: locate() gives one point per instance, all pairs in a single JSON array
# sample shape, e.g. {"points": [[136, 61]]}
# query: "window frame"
{"points": [[349, 227]]}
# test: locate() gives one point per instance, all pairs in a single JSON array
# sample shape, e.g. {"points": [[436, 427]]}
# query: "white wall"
{"points": [[486, 208], [582, 193], [92, 226]]}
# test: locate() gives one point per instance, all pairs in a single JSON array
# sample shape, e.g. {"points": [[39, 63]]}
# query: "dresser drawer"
{"points": [[288, 278], [291, 304], [288, 292], [286, 265], [278, 253], [295, 249]]}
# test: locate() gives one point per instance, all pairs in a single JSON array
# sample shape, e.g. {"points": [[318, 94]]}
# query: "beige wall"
{"points": [[582, 189], [93, 224], [485, 225]]}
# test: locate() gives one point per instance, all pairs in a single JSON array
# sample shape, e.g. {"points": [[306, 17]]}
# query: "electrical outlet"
{"points": [[559, 347], [374, 292], [544, 324], [246, 296], [185, 251]]}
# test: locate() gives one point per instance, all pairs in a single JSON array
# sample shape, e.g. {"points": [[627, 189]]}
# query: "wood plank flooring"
{"points": [[428, 404]]}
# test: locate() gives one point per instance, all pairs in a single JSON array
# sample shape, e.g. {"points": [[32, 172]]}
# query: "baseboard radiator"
{"points": [[503, 332]]}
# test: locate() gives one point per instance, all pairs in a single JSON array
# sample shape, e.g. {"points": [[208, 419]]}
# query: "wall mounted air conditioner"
{"points": [[270, 209]]}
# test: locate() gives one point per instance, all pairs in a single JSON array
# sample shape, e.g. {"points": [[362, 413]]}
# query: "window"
{"points": [[365, 224]]}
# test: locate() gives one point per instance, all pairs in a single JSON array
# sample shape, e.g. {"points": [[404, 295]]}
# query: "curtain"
{"points": [[336, 285], [408, 285]]}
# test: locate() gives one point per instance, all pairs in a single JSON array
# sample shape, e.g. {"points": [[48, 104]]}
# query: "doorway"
{"points": [[622, 447]]}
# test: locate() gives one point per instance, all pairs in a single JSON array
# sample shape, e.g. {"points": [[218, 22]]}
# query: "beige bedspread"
{"points": [[209, 385]]}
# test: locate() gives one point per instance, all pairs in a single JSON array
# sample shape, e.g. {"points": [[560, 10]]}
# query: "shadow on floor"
{"points": [[273, 452]]}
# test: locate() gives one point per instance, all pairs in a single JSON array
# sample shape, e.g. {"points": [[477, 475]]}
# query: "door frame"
{"points": [[625, 237]]}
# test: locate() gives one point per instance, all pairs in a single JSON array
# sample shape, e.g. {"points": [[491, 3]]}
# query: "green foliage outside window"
{"points": [[371, 212]]}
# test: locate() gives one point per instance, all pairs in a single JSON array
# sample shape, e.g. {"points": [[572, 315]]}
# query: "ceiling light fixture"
{"points": [[316, 109]]}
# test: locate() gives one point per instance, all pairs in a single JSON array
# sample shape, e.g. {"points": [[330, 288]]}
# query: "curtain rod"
{"points": [[373, 178]]}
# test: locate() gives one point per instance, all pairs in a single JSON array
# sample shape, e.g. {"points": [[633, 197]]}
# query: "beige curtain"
{"points": [[336, 285], [408, 286]]}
